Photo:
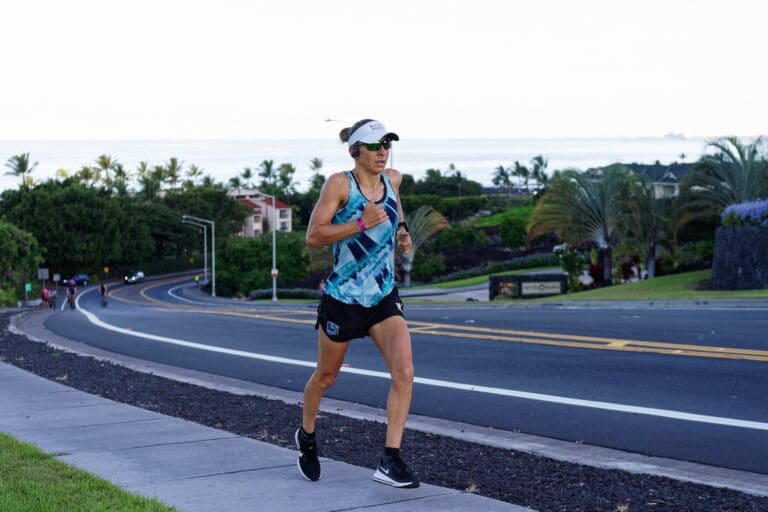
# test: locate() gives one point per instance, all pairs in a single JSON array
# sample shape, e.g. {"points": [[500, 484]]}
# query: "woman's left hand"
{"points": [[404, 242]]}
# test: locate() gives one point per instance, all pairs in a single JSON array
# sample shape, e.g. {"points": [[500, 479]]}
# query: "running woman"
{"points": [[359, 214]]}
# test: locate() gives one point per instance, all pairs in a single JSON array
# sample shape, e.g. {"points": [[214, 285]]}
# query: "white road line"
{"points": [[511, 393], [177, 297]]}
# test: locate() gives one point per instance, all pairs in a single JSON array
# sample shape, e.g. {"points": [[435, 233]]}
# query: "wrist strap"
{"points": [[361, 224], [403, 225]]}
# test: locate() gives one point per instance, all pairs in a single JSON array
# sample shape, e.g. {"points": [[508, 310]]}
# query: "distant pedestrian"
{"points": [[359, 214], [45, 294]]}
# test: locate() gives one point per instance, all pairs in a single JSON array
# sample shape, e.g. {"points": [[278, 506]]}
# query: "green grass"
{"points": [[674, 287], [517, 214], [33, 480]]}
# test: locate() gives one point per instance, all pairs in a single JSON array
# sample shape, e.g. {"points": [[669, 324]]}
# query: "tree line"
{"points": [[93, 218]]}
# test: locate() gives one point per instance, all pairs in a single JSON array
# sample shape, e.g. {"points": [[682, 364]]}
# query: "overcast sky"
{"points": [[168, 69]]}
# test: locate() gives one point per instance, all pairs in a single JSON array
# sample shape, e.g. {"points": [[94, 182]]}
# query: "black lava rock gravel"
{"points": [[520, 478]]}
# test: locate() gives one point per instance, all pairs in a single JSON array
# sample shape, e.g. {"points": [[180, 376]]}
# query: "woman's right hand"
{"points": [[373, 214]]}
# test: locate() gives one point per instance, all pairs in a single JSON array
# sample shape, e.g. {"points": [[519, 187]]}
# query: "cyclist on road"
{"points": [[71, 293], [103, 293]]}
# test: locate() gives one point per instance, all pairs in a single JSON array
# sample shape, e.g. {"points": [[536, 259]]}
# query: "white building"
{"points": [[261, 211]]}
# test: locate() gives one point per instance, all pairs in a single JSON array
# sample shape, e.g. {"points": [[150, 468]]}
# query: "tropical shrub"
{"points": [[8, 297], [572, 262], [427, 267], [749, 213], [530, 261], [458, 236], [510, 223], [735, 173], [453, 208], [20, 256], [244, 264]]}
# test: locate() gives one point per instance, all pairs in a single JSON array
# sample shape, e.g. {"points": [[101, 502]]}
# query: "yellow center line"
{"points": [[611, 342]]}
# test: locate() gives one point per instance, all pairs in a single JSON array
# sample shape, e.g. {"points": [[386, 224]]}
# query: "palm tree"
{"points": [[173, 171], [454, 173], [579, 210], [538, 168], [159, 174], [268, 176], [423, 223], [142, 170], [247, 176], [501, 177], [87, 175], [522, 172], [149, 186], [194, 173], [317, 180], [286, 185], [316, 164], [62, 173], [20, 166], [645, 222], [235, 183], [120, 181], [104, 163], [735, 174]]}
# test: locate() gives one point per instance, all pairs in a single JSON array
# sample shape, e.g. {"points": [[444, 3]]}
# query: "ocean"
{"points": [[223, 159]]}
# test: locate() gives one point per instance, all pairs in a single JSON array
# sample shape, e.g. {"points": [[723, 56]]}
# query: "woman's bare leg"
{"points": [[394, 342], [330, 356]]}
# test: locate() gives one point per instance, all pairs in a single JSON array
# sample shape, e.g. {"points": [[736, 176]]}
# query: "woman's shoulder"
{"points": [[337, 186], [338, 177], [394, 176]]}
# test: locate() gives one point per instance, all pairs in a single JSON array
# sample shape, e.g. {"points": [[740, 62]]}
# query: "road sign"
{"points": [[274, 272], [56, 277], [42, 273], [27, 287]]}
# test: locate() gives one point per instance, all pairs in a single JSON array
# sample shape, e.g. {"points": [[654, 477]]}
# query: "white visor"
{"points": [[369, 133]]}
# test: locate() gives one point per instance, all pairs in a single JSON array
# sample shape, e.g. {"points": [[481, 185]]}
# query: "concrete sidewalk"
{"points": [[193, 467]]}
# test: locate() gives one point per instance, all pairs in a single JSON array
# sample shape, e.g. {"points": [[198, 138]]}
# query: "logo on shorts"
{"points": [[331, 329], [399, 306]]}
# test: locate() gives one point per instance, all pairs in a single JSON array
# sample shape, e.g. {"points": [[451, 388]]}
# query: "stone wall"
{"points": [[740, 261]]}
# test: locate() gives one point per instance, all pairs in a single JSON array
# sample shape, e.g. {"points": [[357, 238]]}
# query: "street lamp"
{"points": [[213, 248], [274, 251], [205, 243]]}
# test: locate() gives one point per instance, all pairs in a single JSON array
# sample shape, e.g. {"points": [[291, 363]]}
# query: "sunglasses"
{"points": [[375, 146]]}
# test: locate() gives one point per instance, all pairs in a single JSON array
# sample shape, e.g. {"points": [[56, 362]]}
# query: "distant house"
{"points": [[666, 179], [262, 213]]}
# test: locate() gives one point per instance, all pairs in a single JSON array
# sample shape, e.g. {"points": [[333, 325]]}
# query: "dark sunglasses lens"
{"points": [[378, 145]]}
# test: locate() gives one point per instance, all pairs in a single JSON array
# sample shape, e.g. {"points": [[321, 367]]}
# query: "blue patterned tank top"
{"points": [[363, 267]]}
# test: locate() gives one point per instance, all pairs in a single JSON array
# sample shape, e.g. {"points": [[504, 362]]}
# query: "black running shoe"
{"points": [[393, 471], [309, 464]]}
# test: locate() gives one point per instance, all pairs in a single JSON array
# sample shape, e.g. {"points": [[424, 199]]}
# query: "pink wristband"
{"points": [[361, 224]]}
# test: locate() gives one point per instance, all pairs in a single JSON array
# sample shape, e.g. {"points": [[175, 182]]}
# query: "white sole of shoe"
{"points": [[380, 477]]}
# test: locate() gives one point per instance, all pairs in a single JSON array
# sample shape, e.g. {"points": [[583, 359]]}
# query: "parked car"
{"points": [[79, 279], [136, 276]]}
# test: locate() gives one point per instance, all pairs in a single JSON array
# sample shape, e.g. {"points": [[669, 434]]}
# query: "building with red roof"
{"points": [[263, 216]]}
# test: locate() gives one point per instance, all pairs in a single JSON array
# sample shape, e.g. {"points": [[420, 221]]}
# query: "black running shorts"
{"points": [[343, 322]]}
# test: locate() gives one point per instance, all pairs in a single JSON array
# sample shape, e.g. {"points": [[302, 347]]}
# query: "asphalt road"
{"points": [[685, 384]]}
